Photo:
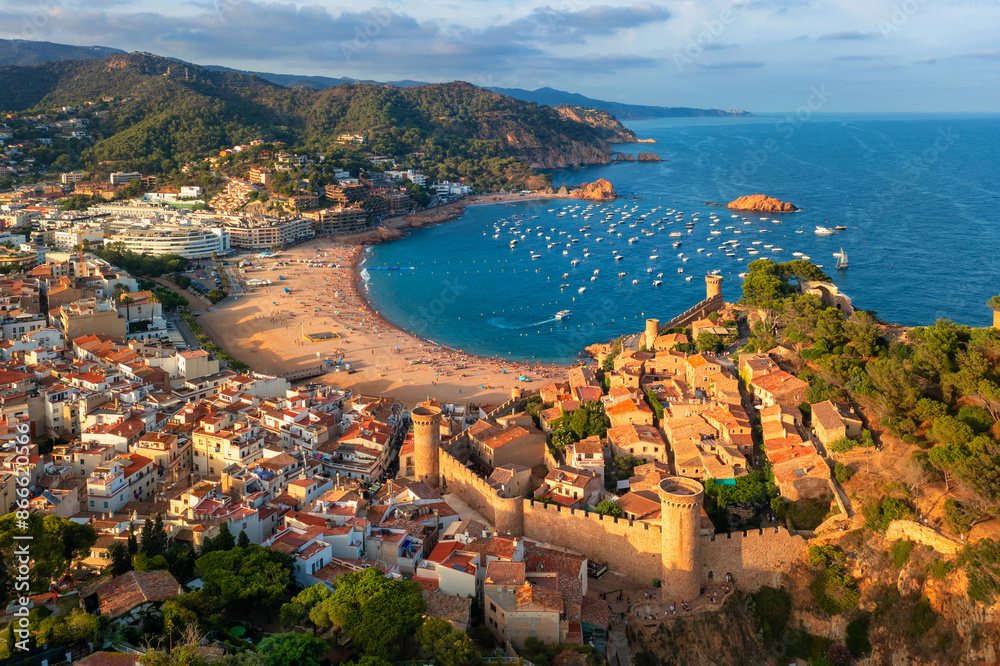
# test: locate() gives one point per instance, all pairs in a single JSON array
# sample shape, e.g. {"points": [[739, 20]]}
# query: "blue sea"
{"points": [[918, 194]]}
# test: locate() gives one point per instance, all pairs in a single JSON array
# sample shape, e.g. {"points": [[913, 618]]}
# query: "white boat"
{"points": [[562, 314], [619, 257], [575, 262], [688, 278], [842, 260], [654, 256], [635, 282], [581, 290], [657, 283], [536, 256], [680, 270], [823, 231]]}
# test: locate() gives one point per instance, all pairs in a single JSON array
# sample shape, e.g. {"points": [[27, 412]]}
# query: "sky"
{"points": [[758, 55]]}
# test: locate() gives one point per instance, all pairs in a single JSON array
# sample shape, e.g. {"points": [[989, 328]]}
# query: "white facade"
{"points": [[190, 242]]}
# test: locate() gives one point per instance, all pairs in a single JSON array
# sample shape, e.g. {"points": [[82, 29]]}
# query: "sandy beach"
{"points": [[267, 328]]}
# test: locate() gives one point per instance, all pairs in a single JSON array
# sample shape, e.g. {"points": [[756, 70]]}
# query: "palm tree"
{"points": [[126, 300]]}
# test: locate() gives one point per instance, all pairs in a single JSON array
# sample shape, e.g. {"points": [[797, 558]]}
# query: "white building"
{"points": [[124, 177], [187, 241]]}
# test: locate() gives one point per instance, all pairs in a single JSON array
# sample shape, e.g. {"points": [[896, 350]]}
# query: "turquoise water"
{"points": [[918, 194]]}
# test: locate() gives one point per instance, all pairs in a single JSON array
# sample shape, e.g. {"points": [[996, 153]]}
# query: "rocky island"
{"points": [[648, 157], [761, 203], [599, 190]]}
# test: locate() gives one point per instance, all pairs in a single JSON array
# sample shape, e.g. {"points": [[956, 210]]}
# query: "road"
{"points": [[185, 331]]}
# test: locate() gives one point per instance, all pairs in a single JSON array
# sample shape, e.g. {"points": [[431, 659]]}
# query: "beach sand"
{"points": [[265, 328]]}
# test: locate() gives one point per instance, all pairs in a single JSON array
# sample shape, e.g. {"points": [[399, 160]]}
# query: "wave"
{"points": [[501, 322]]}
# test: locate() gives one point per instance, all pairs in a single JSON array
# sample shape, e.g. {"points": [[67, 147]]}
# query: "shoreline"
{"points": [[268, 328]]}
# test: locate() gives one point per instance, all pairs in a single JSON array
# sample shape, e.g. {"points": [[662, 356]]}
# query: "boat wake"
{"points": [[501, 322]]}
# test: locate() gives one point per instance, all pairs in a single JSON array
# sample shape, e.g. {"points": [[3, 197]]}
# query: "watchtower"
{"points": [[426, 443], [652, 330], [680, 554], [713, 286]]}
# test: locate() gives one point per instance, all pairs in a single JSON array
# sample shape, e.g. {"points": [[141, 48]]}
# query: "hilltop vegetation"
{"points": [[161, 113], [929, 398]]}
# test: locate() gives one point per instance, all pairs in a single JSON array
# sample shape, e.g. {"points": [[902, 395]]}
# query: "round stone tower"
{"points": [[426, 443], [680, 554], [516, 392], [652, 330], [713, 286]]}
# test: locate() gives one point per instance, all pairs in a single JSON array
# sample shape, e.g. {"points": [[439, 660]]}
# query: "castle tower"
{"points": [[713, 286], [680, 554], [516, 392], [426, 443], [652, 330]]}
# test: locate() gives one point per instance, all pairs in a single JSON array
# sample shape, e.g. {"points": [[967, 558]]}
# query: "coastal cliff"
{"points": [[606, 124], [761, 203], [599, 190]]}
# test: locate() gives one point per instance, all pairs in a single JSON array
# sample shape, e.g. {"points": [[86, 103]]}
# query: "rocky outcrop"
{"points": [[725, 638], [645, 140], [608, 126], [599, 190], [648, 157], [761, 203], [624, 157]]}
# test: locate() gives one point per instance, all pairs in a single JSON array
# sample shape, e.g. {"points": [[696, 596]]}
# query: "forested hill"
{"points": [[161, 113]]}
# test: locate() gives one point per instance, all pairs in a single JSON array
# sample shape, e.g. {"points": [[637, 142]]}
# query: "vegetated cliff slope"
{"points": [[160, 109]]}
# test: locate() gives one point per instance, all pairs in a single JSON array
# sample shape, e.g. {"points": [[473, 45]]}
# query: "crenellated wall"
{"points": [[755, 557], [629, 548], [504, 513]]}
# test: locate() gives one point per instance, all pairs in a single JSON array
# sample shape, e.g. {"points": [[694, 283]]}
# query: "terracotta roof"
{"points": [[124, 593]]}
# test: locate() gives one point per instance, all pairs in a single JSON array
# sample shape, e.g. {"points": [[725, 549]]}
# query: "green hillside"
{"points": [[161, 113]]}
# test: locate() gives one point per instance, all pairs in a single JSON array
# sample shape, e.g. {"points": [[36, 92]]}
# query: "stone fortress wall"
{"points": [[679, 555]]}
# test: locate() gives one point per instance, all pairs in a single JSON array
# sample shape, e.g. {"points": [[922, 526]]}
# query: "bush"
{"points": [[975, 417], [842, 472], [900, 553], [857, 636], [922, 619], [835, 591], [770, 607], [982, 566], [879, 515], [960, 516]]}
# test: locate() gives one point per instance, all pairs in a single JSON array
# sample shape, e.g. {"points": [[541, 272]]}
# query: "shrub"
{"points": [[842, 444], [857, 640], [960, 516], [982, 566], [922, 619], [879, 515], [771, 608], [928, 409], [900, 553], [835, 591], [975, 417], [842, 472]]}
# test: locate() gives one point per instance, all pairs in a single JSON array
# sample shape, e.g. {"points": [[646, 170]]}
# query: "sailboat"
{"points": [[842, 259]]}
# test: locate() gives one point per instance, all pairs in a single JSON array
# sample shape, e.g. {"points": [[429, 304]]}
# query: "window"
{"points": [[493, 606], [105, 505], [91, 502]]}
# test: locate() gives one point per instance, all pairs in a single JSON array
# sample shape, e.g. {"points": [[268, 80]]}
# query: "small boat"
{"points": [[654, 256], [635, 282], [619, 257], [842, 260], [581, 290], [657, 283], [562, 314], [688, 278], [840, 228], [677, 243], [621, 274], [680, 270], [823, 231], [536, 256], [575, 262]]}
